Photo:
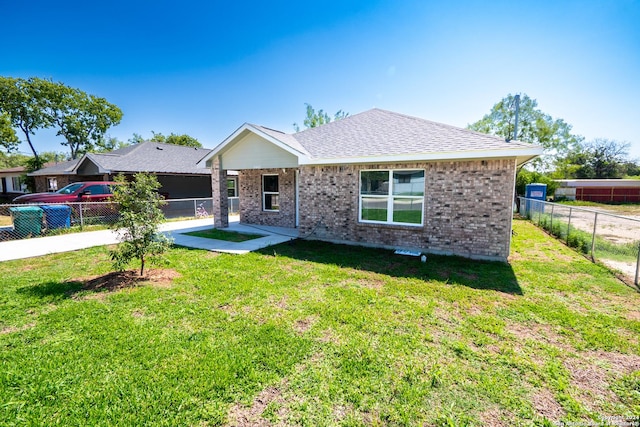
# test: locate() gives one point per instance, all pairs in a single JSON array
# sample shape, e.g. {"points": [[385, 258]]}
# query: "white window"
{"points": [[52, 184], [232, 187], [270, 193], [16, 183], [392, 196]]}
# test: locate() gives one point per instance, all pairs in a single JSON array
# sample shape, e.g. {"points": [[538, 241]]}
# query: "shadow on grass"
{"points": [[490, 275], [109, 282]]}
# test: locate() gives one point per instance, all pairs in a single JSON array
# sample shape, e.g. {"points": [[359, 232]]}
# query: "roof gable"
{"points": [[383, 136]]}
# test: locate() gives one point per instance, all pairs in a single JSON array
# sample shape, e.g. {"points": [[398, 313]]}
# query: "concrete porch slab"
{"points": [[272, 236]]}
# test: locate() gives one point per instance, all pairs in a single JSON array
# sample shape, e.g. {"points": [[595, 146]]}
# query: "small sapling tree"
{"points": [[137, 226]]}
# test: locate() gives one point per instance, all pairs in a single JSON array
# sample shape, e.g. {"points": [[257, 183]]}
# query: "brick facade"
{"points": [[468, 208], [219, 194], [250, 194]]}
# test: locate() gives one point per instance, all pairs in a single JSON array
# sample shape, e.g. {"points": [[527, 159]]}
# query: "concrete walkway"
{"points": [[27, 248]]}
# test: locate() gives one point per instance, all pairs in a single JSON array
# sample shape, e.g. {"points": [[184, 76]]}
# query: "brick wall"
{"points": [[250, 194], [468, 208], [42, 182]]}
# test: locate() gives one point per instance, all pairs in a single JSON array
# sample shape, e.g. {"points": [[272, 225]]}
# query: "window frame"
{"points": [[16, 183], [234, 187], [272, 193], [390, 198]]}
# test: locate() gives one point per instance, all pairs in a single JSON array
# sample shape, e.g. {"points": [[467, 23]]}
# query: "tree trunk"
{"points": [[142, 266]]}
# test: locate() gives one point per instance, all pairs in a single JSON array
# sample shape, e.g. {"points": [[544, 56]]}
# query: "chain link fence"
{"points": [[611, 239], [35, 220]]}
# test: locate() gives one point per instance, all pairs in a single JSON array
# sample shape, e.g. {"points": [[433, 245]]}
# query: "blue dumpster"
{"points": [[57, 216], [27, 220], [536, 192]]}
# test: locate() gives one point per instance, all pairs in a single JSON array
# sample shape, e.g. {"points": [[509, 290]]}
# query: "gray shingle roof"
{"points": [[287, 138], [144, 157], [379, 132], [62, 168]]}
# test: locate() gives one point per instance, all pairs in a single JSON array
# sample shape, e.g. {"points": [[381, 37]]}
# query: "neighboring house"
{"points": [[12, 182], [599, 190], [376, 178], [175, 166]]}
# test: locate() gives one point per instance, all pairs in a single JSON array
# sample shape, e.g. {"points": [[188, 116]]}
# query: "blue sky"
{"points": [[205, 68]]}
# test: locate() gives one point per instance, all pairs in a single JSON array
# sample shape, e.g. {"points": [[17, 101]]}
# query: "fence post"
{"points": [[81, 218], [593, 238], [569, 225], [635, 281], [195, 209], [551, 223]]}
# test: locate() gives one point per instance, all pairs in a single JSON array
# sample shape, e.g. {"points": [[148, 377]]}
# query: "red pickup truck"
{"points": [[90, 191]]}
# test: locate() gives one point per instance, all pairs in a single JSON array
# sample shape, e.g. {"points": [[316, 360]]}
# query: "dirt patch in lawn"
{"points": [[244, 416], [117, 280], [546, 405], [303, 325], [12, 329]]}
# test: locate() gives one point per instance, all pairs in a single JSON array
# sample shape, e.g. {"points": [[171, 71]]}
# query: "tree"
{"points": [[136, 138], [316, 118], [598, 159], [22, 100], [11, 160], [8, 138], [137, 227], [184, 139], [534, 127], [82, 119], [109, 143], [35, 103]]}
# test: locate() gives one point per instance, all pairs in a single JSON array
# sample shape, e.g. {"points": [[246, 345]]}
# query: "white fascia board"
{"points": [[520, 153], [248, 127]]}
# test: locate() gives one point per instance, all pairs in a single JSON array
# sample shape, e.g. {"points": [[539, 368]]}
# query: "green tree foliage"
{"points": [[137, 227], [316, 118], [109, 143], [23, 101], [525, 177], [136, 138], [80, 118], [185, 140], [35, 103], [598, 159], [8, 138], [534, 126], [11, 160]]}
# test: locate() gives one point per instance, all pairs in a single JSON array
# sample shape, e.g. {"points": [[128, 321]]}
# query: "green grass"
{"points": [[614, 208], [582, 240], [229, 236], [315, 334]]}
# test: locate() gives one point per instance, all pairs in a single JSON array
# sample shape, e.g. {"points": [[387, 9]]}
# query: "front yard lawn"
{"points": [[310, 333]]}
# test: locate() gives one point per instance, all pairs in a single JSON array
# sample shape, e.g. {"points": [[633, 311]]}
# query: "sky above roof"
{"points": [[206, 67]]}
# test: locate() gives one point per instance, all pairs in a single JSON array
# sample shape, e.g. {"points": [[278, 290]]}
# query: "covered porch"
{"points": [[267, 173]]}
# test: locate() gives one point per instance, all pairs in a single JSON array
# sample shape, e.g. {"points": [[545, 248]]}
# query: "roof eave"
{"points": [[521, 154]]}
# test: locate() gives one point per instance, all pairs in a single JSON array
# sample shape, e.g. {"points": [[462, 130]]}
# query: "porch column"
{"points": [[220, 195]]}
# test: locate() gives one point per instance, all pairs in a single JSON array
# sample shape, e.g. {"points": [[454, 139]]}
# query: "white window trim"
{"points": [[264, 193], [389, 198]]}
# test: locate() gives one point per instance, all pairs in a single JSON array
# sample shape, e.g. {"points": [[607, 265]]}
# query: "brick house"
{"points": [[377, 178], [175, 166]]}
